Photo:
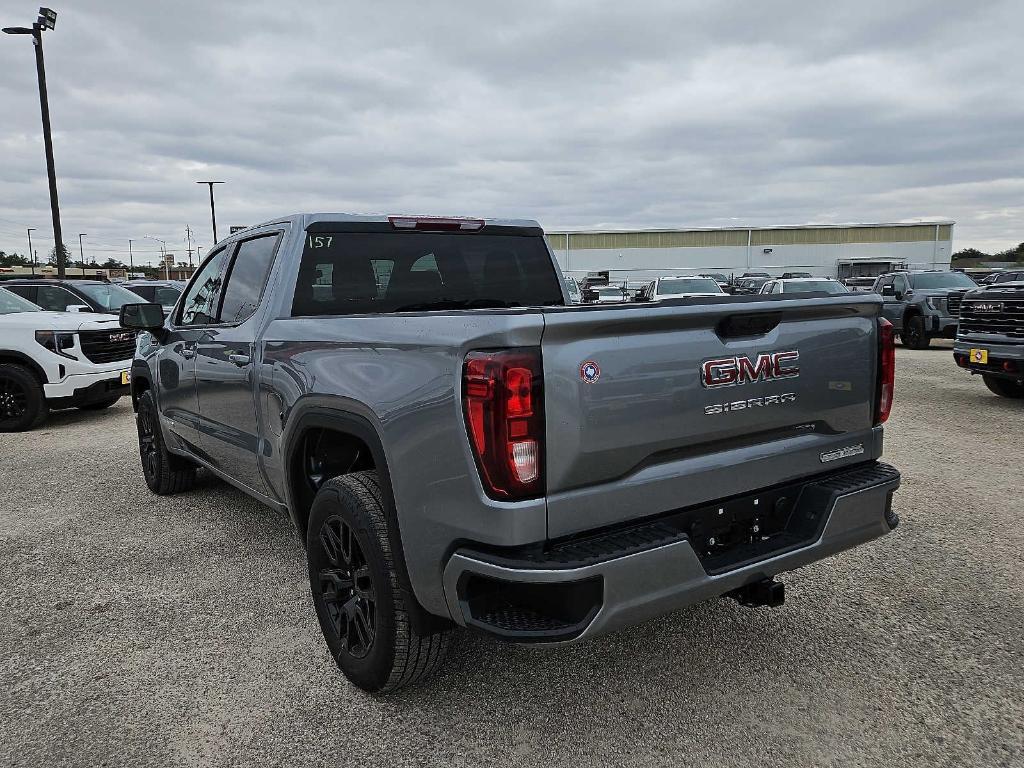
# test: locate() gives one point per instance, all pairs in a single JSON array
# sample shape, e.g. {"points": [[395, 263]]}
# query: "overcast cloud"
{"points": [[578, 114]]}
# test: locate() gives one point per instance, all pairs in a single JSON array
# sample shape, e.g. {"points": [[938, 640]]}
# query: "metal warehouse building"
{"points": [[844, 250]]}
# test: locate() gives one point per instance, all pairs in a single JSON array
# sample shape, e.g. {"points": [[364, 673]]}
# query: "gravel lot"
{"points": [[139, 630]]}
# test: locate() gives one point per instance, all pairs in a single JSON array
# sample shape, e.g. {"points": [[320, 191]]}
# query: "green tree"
{"points": [[13, 260], [970, 253]]}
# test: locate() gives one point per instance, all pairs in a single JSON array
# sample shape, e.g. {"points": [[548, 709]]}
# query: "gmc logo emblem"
{"points": [[731, 371]]}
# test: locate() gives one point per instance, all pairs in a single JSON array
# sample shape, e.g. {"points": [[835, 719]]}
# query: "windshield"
{"points": [[828, 286], [688, 285], [927, 280], [109, 296], [614, 292], [12, 302]]}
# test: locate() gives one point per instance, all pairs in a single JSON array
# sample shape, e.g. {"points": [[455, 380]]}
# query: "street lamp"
{"points": [[81, 251], [31, 253], [163, 254], [47, 20], [213, 210]]}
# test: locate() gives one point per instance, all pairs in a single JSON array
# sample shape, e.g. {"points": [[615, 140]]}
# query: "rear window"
{"points": [[688, 285], [827, 286], [356, 273]]}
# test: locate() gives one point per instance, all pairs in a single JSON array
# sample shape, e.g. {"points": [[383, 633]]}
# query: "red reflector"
{"points": [[1009, 366], [436, 223], [886, 370], [503, 406]]}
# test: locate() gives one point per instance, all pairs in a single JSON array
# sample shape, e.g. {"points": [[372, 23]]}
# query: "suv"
{"points": [[69, 295], [162, 292], [917, 303], [459, 446], [54, 360], [990, 339], [680, 286]]}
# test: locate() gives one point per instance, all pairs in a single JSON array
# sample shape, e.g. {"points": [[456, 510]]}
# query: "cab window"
{"points": [[200, 304]]}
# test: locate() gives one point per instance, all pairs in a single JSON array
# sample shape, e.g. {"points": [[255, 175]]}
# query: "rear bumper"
{"points": [[577, 591]]}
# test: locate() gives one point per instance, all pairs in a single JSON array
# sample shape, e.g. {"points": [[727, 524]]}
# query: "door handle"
{"points": [[240, 360]]}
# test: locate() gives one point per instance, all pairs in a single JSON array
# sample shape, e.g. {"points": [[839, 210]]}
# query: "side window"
{"points": [[247, 278], [776, 287], [56, 299], [25, 291], [200, 304], [165, 296]]}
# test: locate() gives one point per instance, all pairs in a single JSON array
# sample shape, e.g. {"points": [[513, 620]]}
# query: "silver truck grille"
{"points": [[1004, 317], [953, 302]]}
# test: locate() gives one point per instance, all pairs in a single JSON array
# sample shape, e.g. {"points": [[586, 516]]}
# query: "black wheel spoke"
{"points": [[346, 588]]}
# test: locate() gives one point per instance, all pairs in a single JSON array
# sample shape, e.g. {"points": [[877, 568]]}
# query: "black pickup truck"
{"points": [[990, 339]]}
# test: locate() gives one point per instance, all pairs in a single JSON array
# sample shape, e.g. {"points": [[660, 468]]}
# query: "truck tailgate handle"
{"points": [[239, 360], [736, 326]]}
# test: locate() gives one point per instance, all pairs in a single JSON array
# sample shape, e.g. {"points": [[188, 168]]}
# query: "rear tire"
{"points": [[100, 405], [363, 614], [914, 335], [1004, 387], [165, 473], [22, 400]]}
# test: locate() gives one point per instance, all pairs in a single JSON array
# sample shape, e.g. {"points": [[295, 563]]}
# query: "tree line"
{"points": [[1010, 254]]}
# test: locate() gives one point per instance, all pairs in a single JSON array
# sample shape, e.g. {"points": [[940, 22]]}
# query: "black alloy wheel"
{"points": [[13, 400], [149, 450], [347, 588]]}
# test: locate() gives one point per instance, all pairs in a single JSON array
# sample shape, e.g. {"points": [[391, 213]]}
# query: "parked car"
{"points": [[1007, 276], [917, 304], [71, 295], [573, 289], [859, 284], [51, 360], [678, 287], [804, 285], [795, 275], [162, 292], [720, 278], [749, 285], [607, 294], [461, 447], [990, 337]]}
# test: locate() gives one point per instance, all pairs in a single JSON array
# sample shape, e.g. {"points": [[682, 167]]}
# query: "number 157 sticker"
{"points": [[320, 241]]}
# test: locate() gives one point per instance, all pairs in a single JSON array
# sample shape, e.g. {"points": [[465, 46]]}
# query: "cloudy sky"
{"points": [[579, 114]]}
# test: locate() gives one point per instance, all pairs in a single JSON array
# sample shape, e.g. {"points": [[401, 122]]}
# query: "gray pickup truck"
{"points": [[990, 341], [457, 445], [917, 303]]}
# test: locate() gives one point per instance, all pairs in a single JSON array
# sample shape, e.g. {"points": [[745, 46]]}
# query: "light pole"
{"points": [[163, 254], [31, 253], [47, 20], [131, 260], [81, 251], [213, 210]]}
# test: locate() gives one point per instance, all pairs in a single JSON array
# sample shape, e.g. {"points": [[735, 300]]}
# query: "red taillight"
{"points": [[436, 223], [886, 370], [504, 410]]}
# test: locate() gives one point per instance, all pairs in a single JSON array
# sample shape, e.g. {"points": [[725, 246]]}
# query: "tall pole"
{"points": [[188, 234], [213, 209], [81, 252], [44, 108], [131, 260], [31, 253]]}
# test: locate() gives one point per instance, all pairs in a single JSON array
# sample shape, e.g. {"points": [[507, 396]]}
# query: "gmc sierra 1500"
{"points": [[457, 445]]}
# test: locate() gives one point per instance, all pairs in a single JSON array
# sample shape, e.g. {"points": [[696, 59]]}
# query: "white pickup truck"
{"points": [[54, 360]]}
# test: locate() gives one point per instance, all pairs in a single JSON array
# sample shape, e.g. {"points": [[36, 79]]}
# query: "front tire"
{"points": [[1004, 387], [22, 400], [914, 335], [165, 473], [362, 612]]}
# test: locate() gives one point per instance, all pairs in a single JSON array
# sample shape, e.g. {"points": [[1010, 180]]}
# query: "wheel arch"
{"points": [[141, 381], [11, 356], [352, 429]]}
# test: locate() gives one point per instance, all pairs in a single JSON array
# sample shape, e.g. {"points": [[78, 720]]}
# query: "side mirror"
{"points": [[77, 308], [888, 290], [142, 317]]}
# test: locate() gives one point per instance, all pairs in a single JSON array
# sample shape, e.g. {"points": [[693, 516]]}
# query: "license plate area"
{"points": [[126, 377], [979, 356]]}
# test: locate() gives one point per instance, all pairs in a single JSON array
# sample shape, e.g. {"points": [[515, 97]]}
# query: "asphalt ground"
{"points": [[140, 630]]}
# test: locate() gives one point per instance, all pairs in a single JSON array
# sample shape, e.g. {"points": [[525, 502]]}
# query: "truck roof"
{"points": [[306, 219]]}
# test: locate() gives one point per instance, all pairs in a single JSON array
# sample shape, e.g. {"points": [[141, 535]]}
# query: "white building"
{"points": [[824, 250]]}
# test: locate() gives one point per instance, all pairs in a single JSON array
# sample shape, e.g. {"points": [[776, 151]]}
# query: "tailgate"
{"points": [[651, 409]]}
